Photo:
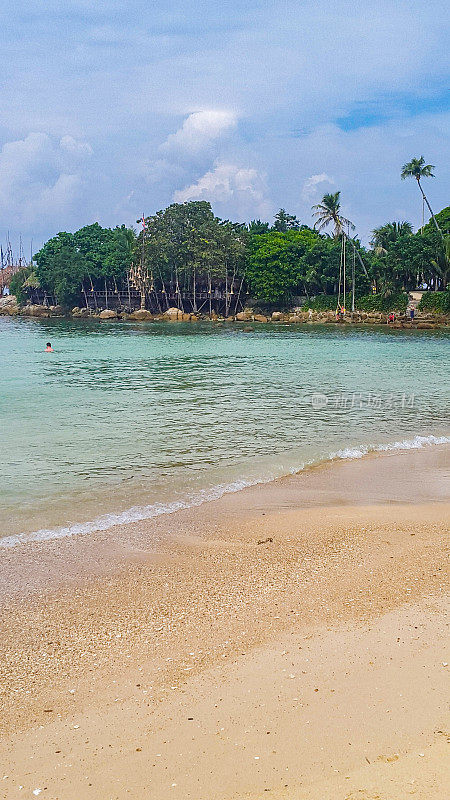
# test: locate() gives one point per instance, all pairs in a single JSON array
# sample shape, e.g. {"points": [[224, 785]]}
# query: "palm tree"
{"points": [[416, 168], [328, 211], [387, 234]]}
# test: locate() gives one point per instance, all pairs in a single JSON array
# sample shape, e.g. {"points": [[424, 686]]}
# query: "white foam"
{"points": [[139, 513]]}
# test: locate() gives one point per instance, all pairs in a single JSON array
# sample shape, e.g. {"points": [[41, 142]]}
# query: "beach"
{"points": [[287, 641]]}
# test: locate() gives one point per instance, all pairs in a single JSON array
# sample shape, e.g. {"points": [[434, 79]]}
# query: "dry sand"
{"points": [[289, 641]]}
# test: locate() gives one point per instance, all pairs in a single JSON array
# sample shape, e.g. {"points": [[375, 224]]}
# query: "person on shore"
{"points": [[391, 317], [411, 314], [310, 313], [49, 348]]}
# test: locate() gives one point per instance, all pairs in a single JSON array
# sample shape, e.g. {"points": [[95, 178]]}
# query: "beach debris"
{"points": [[265, 541], [445, 663], [36, 792]]}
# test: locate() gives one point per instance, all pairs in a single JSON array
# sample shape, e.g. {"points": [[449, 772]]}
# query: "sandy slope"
{"points": [[192, 662]]}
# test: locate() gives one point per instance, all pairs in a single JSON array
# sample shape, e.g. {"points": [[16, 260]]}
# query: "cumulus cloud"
{"points": [[198, 131], [229, 185], [75, 147], [38, 177], [311, 185]]}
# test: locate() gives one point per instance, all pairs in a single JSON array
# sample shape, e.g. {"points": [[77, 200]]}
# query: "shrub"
{"points": [[397, 301], [436, 302], [323, 302]]}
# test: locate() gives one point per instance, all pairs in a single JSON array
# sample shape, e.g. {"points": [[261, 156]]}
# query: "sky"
{"points": [[113, 108]]}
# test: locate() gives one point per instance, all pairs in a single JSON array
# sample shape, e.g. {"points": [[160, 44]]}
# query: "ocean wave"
{"points": [[139, 513]]}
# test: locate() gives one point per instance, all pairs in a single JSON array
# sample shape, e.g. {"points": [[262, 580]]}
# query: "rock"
{"points": [[173, 314], [76, 310], [141, 314], [295, 318], [248, 329], [108, 313], [35, 311], [277, 316], [9, 306], [260, 318], [186, 317], [243, 316]]}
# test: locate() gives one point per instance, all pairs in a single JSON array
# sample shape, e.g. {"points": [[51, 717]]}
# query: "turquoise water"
{"points": [[135, 419]]}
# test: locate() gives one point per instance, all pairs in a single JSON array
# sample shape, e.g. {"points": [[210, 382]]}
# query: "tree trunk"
{"points": [[429, 207]]}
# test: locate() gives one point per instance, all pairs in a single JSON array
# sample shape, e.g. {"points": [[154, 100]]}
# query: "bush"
{"points": [[436, 302], [323, 302], [17, 284], [397, 301]]}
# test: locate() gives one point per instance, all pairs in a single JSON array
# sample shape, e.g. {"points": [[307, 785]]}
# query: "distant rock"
{"points": [[141, 314], [173, 314], [35, 311], [260, 318], [9, 306], [108, 313]]}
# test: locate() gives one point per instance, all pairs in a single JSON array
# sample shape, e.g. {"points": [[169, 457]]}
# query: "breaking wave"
{"points": [[105, 522]]}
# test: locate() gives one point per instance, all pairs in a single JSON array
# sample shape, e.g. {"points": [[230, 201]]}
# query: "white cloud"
{"points": [[240, 188], [199, 130], [75, 147], [311, 185], [38, 177]]}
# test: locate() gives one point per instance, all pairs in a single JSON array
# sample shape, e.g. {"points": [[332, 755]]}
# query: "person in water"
{"points": [[49, 348]]}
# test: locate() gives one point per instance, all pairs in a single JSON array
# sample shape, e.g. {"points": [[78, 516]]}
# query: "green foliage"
{"points": [[285, 222], [328, 212], [416, 168], [256, 226], [323, 302], [386, 235], [442, 219], [19, 282], [91, 254], [281, 265], [436, 302], [397, 301], [275, 264]]}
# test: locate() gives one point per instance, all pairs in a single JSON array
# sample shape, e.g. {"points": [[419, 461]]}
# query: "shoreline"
{"points": [[423, 320], [144, 512], [207, 614]]}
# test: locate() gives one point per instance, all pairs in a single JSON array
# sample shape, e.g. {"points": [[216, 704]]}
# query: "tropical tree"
{"points": [[256, 226], [329, 212], [387, 234], [416, 168], [285, 222]]}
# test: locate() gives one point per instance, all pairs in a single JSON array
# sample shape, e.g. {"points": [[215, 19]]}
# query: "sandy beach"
{"points": [[286, 641]]}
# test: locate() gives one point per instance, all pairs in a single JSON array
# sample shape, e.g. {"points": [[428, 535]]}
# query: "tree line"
{"points": [[185, 250]]}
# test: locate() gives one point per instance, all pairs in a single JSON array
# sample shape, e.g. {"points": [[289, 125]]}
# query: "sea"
{"points": [[127, 421]]}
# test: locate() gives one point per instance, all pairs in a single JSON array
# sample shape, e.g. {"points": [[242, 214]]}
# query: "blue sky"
{"points": [[114, 108]]}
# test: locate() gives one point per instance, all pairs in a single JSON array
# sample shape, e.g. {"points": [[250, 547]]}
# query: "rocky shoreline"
{"points": [[423, 320]]}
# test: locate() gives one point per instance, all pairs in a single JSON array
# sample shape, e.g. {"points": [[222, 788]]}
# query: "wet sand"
{"points": [[288, 641]]}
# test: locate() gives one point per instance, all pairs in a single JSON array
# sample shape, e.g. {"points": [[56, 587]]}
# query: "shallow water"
{"points": [[125, 421]]}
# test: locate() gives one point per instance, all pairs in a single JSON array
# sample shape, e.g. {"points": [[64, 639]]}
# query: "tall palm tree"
{"points": [[387, 234], [328, 212], [416, 168]]}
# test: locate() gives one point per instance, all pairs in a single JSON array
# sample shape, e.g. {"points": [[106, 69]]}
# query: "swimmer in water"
{"points": [[49, 348]]}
